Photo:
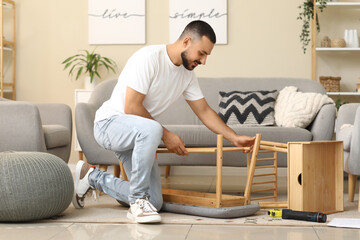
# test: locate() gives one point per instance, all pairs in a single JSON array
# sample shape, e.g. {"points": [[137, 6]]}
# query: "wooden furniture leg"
{"points": [[276, 176], [167, 170], [219, 163], [103, 167], [122, 171], [116, 171], [251, 170], [351, 186], [81, 155], [248, 160]]}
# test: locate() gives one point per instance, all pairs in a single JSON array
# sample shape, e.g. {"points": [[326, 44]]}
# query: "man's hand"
{"points": [[174, 143], [243, 141]]}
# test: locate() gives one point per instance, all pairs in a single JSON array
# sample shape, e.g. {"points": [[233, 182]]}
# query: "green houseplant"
{"points": [[87, 62], [306, 15]]}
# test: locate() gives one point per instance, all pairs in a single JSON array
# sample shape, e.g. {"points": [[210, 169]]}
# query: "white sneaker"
{"points": [[142, 211], [82, 185]]}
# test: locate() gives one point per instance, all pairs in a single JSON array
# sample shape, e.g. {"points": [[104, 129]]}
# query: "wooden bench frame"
{"points": [[217, 199]]}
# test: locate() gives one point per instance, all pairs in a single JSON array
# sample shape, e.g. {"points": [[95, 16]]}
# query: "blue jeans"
{"points": [[134, 140]]}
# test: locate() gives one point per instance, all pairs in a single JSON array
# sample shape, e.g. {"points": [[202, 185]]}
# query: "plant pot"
{"points": [[88, 85]]}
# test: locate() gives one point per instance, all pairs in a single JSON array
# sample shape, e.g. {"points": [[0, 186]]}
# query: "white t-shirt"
{"points": [[151, 72]]}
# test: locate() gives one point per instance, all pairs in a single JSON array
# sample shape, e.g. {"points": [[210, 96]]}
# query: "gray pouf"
{"points": [[34, 185]]}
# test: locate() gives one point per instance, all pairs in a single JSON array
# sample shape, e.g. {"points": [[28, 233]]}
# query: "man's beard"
{"points": [[185, 61]]}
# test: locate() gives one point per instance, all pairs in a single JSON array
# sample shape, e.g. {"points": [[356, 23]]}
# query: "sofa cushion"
{"points": [[298, 109], [344, 135], [56, 136], [248, 108]]}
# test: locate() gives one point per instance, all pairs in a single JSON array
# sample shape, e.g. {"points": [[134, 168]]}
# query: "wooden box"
{"points": [[315, 176]]}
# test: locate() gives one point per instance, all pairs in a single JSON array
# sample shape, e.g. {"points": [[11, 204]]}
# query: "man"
{"points": [[153, 78]]}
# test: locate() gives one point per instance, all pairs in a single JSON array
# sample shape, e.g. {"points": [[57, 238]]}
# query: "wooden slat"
{"points": [[205, 149], [168, 191], [190, 200], [200, 198], [276, 176], [263, 175], [276, 149], [238, 201], [260, 198], [265, 159], [190, 150], [266, 182], [265, 167], [263, 190], [274, 144], [265, 151], [229, 149]]}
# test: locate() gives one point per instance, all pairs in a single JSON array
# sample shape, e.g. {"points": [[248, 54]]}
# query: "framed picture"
{"points": [[214, 12], [116, 21]]}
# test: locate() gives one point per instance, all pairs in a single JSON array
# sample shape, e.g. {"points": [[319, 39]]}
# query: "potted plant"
{"points": [[306, 15], [88, 63]]}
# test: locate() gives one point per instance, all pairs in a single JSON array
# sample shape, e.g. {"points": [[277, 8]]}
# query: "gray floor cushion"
{"points": [[226, 212], [34, 185]]}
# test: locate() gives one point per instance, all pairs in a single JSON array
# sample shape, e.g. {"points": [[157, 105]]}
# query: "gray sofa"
{"points": [[180, 119], [43, 127]]}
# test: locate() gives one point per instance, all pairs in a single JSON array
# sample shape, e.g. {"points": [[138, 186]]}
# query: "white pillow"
{"points": [[298, 109]]}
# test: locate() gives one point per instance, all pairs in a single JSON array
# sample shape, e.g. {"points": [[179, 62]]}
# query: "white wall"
{"points": [[263, 41]]}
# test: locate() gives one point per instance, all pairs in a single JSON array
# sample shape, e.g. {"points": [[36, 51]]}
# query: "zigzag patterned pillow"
{"points": [[248, 108]]}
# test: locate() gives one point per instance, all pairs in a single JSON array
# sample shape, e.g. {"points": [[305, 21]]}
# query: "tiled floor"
{"points": [[62, 231], [84, 231]]}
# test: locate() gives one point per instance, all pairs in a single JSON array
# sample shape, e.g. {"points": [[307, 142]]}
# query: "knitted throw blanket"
{"points": [[298, 109]]}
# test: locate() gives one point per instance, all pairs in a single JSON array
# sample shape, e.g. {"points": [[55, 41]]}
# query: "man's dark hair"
{"points": [[198, 29]]}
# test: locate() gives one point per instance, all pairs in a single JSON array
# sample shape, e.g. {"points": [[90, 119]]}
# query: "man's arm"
{"points": [[212, 121], [134, 105]]}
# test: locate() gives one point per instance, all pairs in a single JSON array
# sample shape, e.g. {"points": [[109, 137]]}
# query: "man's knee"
{"points": [[153, 130], [158, 130]]}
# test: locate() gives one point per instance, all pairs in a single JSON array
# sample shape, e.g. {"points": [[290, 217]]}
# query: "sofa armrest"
{"points": [[84, 121], [55, 114], [322, 127], [354, 159], [20, 127], [346, 115]]}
